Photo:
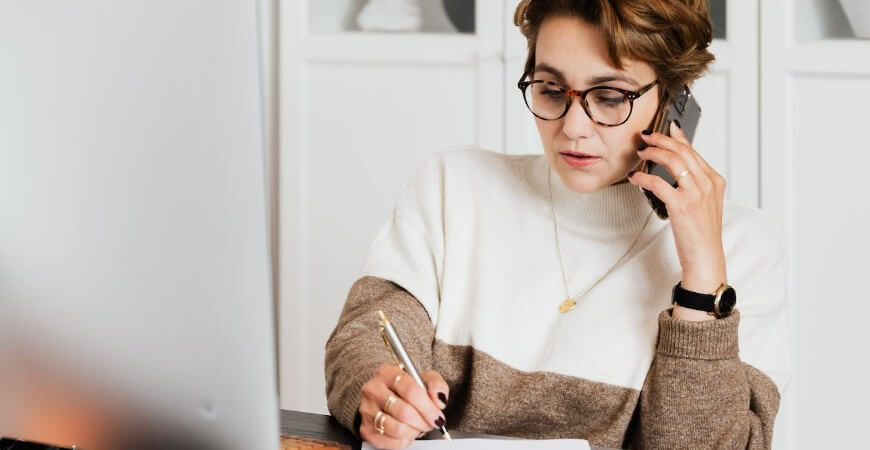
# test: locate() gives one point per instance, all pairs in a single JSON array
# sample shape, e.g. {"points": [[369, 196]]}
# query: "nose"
{"points": [[577, 124]]}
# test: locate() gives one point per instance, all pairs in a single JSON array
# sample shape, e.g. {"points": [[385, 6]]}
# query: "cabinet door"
{"points": [[815, 79], [360, 112]]}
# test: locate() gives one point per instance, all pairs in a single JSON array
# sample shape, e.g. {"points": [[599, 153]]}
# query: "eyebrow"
{"points": [[613, 76]]}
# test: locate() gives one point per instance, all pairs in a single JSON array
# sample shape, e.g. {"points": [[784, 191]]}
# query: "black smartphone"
{"points": [[681, 106]]}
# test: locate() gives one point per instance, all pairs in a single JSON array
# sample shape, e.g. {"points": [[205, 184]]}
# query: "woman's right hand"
{"points": [[410, 412]]}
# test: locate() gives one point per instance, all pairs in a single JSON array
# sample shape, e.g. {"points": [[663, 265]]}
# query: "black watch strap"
{"points": [[693, 300]]}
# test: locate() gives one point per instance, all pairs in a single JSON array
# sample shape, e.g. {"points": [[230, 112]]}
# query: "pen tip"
{"points": [[446, 434]]}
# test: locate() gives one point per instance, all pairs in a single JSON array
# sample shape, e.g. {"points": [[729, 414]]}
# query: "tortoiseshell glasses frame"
{"points": [[631, 96]]}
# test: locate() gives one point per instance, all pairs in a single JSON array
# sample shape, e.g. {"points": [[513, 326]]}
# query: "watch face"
{"points": [[727, 302]]}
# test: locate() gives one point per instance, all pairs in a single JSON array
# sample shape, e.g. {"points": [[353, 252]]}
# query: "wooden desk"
{"points": [[316, 426]]}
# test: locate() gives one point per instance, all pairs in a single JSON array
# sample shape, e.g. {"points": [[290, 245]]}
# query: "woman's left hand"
{"points": [[694, 209]]}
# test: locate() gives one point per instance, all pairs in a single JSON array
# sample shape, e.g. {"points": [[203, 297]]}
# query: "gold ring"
{"points": [[681, 175], [380, 416], [380, 426], [396, 380], [390, 401]]}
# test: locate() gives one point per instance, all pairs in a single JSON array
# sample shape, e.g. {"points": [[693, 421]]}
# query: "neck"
{"points": [[614, 210]]}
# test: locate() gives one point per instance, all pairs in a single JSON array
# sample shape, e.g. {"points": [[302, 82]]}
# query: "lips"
{"points": [[578, 154], [579, 161]]}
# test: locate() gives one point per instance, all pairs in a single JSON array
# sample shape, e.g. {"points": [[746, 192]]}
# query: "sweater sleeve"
{"points": [[711, 386], [355, 348], [401, 277]]}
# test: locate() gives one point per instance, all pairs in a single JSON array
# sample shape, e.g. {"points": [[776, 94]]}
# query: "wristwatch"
{"points": [[718, 304]]}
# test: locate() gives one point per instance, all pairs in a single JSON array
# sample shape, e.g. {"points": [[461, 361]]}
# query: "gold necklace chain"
{"points": [[569, 304]]}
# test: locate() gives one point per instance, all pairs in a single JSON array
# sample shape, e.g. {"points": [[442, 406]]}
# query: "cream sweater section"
{"points": [[471, 238]]}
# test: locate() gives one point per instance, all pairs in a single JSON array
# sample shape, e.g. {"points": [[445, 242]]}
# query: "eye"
{"points": [[608, 97], [552, 93]]}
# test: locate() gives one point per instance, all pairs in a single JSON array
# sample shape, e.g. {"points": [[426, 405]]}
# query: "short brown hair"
{"points": [[671, 36]]}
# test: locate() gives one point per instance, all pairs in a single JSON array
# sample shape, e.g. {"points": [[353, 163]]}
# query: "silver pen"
{"points": [[395, 344]]}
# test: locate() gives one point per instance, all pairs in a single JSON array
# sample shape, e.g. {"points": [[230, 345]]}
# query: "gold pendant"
{"points": [[567, 306]]}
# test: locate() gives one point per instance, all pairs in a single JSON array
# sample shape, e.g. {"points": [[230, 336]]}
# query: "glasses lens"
{"points": [[545, 100], [608, 106]]}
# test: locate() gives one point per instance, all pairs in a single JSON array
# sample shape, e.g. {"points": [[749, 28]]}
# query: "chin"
{"points": [[580, 182]]}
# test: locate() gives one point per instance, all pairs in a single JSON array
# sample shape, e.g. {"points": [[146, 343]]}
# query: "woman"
{"points": [[535, 291]]}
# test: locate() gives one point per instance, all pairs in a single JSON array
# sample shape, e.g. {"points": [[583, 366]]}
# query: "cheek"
{"points": [[622, 143], [642, 115], [548, 129], [627, 135]]}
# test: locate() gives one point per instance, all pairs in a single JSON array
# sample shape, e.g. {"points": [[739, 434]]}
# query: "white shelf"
{"points": [[391, 47], [337, 16]]}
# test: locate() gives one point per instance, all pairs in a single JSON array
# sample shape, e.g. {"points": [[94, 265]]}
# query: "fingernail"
{"points": [[631, 173], [442, 397], [678, 123], [646, 132], [439, 422]]}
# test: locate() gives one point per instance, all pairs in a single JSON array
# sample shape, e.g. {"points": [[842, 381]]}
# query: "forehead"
{"points": [[578, 51]]}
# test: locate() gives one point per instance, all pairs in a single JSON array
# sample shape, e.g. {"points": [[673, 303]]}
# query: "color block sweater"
{"points": [[467, 270]]}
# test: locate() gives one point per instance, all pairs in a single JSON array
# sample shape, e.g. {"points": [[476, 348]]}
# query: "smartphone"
{"points": [[682, 106]]}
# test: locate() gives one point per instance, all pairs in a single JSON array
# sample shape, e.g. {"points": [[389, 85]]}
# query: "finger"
{"points": [[654, 183], [369, 434], [412, 393], [684, 149], [400, 409], [678, 134], [393, 427], [438, 389], [674, 163]]}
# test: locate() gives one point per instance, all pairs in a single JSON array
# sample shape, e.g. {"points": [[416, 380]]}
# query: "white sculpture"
{"points": [[858, 13], [390, 15]]}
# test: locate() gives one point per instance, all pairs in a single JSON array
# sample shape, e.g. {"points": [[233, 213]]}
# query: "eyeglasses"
{"points": [[608, 106]]}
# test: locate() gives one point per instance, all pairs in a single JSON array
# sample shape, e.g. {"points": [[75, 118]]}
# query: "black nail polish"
{"points": [[642, 147], [678, 124], [646, 132], [442, 397], [631, 173], [439, 422]]}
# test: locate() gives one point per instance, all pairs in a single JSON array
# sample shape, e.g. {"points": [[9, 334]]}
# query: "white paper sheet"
{"points": [[485, 444]]}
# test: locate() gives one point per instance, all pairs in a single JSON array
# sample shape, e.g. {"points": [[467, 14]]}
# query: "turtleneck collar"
{"points": [[618, 209]]}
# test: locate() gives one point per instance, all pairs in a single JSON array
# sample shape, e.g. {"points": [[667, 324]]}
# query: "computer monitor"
{"points": [[135, 291]]}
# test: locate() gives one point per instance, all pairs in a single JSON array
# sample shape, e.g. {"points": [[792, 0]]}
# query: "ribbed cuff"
{"points": [[708, 340], [350, 404]]}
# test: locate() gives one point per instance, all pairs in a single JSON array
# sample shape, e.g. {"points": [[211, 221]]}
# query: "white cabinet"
{"points": [[815, 92], [359, 112]]}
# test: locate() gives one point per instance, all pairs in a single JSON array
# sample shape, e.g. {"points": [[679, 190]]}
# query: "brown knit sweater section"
{"points": [[697, 393]]}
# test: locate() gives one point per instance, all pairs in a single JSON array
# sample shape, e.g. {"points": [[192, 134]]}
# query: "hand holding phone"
{"points": [[680, 106]]}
